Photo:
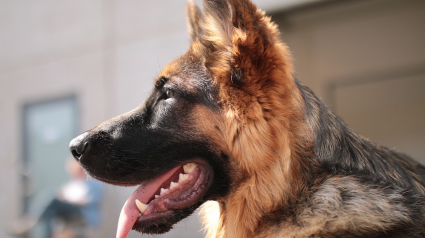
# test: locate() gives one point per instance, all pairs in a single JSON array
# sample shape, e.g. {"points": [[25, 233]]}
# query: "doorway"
{"points": [[48, 127]]}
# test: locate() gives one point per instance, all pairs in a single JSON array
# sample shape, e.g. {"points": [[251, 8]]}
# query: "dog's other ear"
{"points": [[241, 37], [193, 19], [228, 23], [216, 24]]}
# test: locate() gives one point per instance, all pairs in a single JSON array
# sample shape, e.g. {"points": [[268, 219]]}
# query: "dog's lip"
{"points": [[130, 217]]}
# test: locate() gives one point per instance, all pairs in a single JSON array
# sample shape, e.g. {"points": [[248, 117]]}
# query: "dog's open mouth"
{"points": [[155, 200]]}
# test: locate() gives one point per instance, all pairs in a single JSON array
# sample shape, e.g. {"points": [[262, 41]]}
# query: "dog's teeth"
{"points": [[188, 168], [141, 206], [140, 214], [156, 196], [163, 190], [172, 185], [183, 177]]}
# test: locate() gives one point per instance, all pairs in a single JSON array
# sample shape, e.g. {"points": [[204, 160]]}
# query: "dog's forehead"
{"points": [[186, 71]]}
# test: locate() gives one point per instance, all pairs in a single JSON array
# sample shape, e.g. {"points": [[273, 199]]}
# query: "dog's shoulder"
{"points": [[341, 151], [349, 206]]}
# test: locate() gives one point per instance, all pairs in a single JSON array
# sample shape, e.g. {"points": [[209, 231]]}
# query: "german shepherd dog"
{"points": [[227, 125]]}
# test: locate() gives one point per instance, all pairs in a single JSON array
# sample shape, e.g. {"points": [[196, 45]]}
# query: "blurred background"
{"points": [[66, 66]]}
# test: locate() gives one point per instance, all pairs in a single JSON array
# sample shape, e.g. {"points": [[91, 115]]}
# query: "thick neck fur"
{"points": [[262, 108], [336, 150], [270, 155]]}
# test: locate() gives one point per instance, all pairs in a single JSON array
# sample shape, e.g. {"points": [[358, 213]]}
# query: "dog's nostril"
{"points": [[75, 154], [78, 146], [78, 150]]}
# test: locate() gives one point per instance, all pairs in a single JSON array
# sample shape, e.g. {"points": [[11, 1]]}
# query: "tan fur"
{"points": [[267, 137], [261, 117]]}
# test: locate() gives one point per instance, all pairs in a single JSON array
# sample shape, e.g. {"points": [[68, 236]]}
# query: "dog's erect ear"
{"points": [[193, 20], [228, 22], [242, 41]]}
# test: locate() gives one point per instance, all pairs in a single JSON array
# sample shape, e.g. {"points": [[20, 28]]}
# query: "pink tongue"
{"points": [[130, 212]]}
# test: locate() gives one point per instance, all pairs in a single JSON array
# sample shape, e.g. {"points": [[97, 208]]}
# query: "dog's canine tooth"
{"points": [[189, 167], [173, 185], [163, 190], [156, 196], [141, 206], [183, 177]]}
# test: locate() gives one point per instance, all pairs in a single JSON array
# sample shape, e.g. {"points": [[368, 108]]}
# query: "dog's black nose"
{"points": [[79, 145]]}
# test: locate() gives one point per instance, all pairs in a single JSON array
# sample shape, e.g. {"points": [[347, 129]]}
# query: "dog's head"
{"points": [[217, 116]]}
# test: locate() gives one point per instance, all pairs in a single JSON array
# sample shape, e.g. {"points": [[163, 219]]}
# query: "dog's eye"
{"points": [[169, 93]]}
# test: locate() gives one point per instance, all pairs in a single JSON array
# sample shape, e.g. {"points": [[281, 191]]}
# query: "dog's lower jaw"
{"points": [[162, 225]]}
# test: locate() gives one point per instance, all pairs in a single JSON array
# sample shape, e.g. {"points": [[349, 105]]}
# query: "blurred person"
{"points": [[77, 202]]}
